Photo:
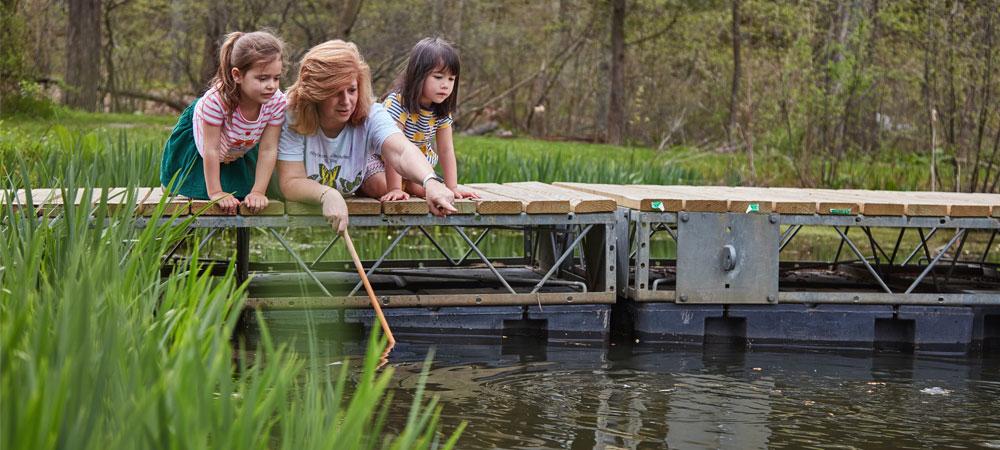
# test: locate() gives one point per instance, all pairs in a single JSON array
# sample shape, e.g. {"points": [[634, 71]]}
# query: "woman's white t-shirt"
{"points": [[338, 162]]}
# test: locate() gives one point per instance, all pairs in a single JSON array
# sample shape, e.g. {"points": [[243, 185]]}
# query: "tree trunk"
{"points": [[215, 28], [616, 98], [348, 15], [734, 96], [83, 54], [178, 29]]}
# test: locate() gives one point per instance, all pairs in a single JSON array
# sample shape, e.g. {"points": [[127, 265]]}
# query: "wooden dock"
{"points": [[563, 197], [590, 244]]}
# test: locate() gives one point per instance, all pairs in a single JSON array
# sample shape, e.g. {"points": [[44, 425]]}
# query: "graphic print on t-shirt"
{"points": [[349, 186], [328, 177]]}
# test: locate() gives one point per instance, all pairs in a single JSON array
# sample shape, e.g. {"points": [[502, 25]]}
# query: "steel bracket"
{"points": [[727, 258]]}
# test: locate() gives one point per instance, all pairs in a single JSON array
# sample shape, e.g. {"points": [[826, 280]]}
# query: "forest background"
{"points": [[823, 86]]}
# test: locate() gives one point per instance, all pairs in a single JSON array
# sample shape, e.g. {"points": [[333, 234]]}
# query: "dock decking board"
{"points": [[579, 202], [362, 206], [560, 197], [625, 198], [491, 203], [533, 202]]}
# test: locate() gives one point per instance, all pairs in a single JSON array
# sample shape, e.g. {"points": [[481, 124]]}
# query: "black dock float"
{"points": [[550, 323], [488, 324]]}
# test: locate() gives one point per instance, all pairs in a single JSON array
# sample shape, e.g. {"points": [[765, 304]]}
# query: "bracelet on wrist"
{"points": [[327, 191]]}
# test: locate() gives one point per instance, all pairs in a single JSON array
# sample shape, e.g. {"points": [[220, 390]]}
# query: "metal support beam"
{"points": [[380, 259], [863, 259], [301, 263], [923, 244], [444, 253], [323, 253], [935, 261], [242, 255], [485, 260], [568, 251], [783, 241]]}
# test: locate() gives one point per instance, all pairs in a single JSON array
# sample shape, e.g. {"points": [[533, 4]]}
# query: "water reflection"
{"points": [[569, 396]]}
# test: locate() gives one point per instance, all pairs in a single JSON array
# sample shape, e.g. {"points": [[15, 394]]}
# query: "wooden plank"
{"points": [[204, 207], [412, 206], [579, 201], [363, 206], [42, 199], [969, 211], [827, 202], [621, 195], [779, 200], [916, 203], [118, 198], [490, 203], [533, 202], [273, 208], [175, 204], [740, 201], [464, 206], [305, 209], [867, 203], [692, 198], [356, 206]]}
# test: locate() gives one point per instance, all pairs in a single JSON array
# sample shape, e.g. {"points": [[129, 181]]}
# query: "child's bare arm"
{"points": [[394, 181], [267, 154], [394, 186], [211, 135], [449, 167]]}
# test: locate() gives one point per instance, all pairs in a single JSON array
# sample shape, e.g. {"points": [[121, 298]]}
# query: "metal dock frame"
{"points": [[550, 243], [701, 269]]}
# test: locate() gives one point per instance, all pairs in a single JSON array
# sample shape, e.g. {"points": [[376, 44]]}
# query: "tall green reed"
{"points": [[99, 351], [508, 165]]}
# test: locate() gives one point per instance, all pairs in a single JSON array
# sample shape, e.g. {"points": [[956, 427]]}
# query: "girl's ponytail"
{"points": [[224, 75], [241, 51]]}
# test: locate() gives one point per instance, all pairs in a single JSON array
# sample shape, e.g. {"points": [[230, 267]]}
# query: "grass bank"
{"points": [[138, 140]]}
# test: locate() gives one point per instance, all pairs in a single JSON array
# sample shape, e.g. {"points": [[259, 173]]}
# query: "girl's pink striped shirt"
{"points": [[238, 135]]}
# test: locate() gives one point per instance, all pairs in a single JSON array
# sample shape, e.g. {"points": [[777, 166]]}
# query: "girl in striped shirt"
{"points": [[213, 150], [421, 102]]}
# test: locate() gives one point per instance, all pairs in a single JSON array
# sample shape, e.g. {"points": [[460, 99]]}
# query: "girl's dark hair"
{"points": [[243, 51], [427, 55]]}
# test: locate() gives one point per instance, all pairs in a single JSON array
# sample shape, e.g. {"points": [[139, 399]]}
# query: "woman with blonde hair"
{"points": [[335, 138]]}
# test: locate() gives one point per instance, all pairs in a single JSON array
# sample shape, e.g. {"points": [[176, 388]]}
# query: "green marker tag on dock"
{"points": [[753, 207], [845, 212], [658, 205]]}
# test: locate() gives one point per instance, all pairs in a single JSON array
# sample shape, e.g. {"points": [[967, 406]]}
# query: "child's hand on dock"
{"points": [[226, 202], [255, 202], [461, 192], [395, 194]]}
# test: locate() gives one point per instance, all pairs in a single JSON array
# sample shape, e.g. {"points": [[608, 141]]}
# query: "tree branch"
{"points": [[179, 105]]}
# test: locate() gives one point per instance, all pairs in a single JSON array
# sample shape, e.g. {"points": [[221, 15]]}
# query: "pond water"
{"points": [[519, 395]]}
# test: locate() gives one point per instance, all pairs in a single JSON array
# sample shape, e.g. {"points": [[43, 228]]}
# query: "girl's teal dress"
{"points": [[181, 159]]}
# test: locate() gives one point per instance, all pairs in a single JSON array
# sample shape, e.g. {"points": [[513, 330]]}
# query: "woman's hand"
{"points": [[255, 202], [440, 199], [225, 201], [335, 210], [463, 193], [395, 194]]}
